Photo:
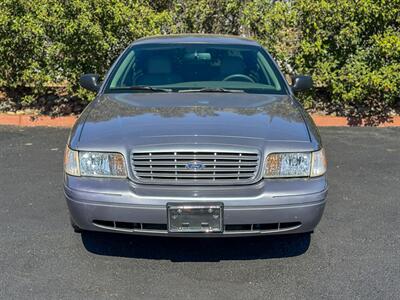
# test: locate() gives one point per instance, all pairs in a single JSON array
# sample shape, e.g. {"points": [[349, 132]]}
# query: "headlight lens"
{"points": [[318, 164], [97, 164], [295, 164], [71, 162], [288, 165]]}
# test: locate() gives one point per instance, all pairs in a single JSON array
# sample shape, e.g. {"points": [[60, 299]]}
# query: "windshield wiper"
{"points": [[144, 88], [211, 90]]}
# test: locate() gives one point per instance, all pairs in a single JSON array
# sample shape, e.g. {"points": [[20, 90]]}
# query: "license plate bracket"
{"points": [[195, 217]]}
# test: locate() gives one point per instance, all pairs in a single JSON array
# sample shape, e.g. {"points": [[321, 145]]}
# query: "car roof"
{"points": [[196, 38]]}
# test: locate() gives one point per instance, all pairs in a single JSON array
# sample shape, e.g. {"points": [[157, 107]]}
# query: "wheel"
{"points": [[76, 228]]}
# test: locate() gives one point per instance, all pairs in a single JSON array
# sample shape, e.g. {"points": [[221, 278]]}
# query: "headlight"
{"points": [[307, 164], [319, 163], [97, 164], [71, 162]]}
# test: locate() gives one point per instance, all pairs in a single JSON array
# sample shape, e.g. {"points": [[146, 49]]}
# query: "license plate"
{"points": [[195, 217]]}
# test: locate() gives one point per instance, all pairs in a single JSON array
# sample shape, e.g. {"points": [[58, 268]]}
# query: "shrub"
{"points": [[351, 48], [49, 42], [207, 16]]}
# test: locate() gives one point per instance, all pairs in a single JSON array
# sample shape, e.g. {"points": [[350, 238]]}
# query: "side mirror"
{"points": [[90, 82], [302, 83]]}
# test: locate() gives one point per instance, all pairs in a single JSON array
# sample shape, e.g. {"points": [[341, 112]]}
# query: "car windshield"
{"points": [[195, 67]]}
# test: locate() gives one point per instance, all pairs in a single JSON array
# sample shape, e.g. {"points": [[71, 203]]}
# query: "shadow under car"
{"points": [[195, 249]]}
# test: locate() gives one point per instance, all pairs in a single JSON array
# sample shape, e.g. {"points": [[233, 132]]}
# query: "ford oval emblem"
{"points": [[194, 165]]}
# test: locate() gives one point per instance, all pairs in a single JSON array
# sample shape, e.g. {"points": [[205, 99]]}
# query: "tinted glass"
{"points": [[195, 66]]}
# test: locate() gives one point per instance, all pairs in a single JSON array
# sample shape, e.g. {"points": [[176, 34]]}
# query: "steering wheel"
{"points": [[238, 76]]}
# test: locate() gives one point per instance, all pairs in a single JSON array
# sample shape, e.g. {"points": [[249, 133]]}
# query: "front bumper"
{"points": [[274, 206]]}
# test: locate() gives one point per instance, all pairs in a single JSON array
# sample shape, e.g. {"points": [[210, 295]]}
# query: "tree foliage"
{"points": [[351, 48], [50, 42]]}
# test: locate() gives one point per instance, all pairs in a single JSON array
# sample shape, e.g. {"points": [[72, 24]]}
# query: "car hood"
{"points": [[150, 118]]}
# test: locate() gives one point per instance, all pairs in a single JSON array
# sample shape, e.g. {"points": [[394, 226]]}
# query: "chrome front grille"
{"points": [[191, 167]]}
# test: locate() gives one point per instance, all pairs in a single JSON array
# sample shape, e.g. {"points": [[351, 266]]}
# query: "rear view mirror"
{"points": [[90, 82], [302, 83], [198, 56]]}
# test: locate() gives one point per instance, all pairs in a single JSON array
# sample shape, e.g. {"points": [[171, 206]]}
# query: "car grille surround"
{"points": [[195, 167]]}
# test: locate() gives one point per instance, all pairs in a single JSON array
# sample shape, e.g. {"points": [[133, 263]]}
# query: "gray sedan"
{"points": [[195, 135]]}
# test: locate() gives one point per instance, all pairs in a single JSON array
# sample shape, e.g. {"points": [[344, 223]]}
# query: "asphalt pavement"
{"points": [[353, 254]]}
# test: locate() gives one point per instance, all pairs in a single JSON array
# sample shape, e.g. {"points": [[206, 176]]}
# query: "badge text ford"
{"points": [[195, 135]]}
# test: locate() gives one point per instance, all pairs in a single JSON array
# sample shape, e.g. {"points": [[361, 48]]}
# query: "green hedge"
{"points": [[50, 42], [351, 48]]}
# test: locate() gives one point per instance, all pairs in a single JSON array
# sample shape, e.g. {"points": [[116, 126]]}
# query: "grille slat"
{"points": [[195, 176], [182, 169], [183, 163], [185, 157], [215, 167]]}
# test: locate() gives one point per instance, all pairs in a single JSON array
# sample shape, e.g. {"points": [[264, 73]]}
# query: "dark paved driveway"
{"points": [[354, 253]]}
